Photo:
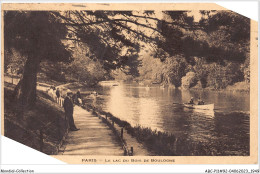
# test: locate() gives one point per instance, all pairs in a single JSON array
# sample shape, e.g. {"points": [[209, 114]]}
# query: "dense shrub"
{"points": [[219, 76], [189, 80]]}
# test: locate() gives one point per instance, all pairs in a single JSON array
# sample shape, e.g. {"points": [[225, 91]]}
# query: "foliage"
{"points": [[14, 62], [35, 34], [239, 86], [111, 36], [170, 71], [115, 39], [83, 68], [189, 80], [52, 71], [119, 74], [174, 69], [201, 69], [216, 49], [150, 69], [235, 25], [220, 77]]}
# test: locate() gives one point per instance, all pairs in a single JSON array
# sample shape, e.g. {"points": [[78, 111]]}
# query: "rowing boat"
{"points": [[201, 107]]}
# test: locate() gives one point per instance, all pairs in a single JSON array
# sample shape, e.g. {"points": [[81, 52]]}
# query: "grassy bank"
{"points": [[237, 87], [41, 127]]}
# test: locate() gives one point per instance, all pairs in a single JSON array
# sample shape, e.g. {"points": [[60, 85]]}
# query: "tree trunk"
{"points": [[25, 91]]}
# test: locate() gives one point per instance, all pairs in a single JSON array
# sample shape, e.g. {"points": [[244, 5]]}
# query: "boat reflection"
{"points": [[208, 113]]}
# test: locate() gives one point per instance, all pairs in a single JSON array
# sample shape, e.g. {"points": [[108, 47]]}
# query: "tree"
{"points": [[201, 70], [37, 36], [174, 69], [84, 69], [213, 47], [114, 39], [151, 68], [189, 80], [14, 62], [111, 35]]}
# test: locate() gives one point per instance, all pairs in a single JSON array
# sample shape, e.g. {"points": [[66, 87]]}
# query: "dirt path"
{"points": [[93, 138]]}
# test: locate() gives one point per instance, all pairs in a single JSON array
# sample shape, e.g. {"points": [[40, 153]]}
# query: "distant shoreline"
{"points": [[76, 85], [240, 87]]}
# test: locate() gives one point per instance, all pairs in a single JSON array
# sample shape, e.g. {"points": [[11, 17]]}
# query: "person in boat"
{"points": [[191, 101], [200, 102]]}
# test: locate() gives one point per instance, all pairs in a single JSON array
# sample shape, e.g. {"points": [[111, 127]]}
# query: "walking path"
{"points": [[93, 138]]}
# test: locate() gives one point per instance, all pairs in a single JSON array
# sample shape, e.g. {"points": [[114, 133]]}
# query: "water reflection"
{"points": [[206, 113], [227, 129]]}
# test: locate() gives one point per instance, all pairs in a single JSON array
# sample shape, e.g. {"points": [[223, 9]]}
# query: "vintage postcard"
{"points": [[146, 83]]}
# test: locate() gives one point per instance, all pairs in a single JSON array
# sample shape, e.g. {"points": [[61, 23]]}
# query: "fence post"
{"points": [[122, 131], [175, 146], [125, 152], [132, 151]]}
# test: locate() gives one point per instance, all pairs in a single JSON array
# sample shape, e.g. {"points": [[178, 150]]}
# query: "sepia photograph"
{"points": [[97, 83]]}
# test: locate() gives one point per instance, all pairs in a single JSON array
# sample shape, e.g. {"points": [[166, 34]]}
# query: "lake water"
{"points": [[225, 128]]}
